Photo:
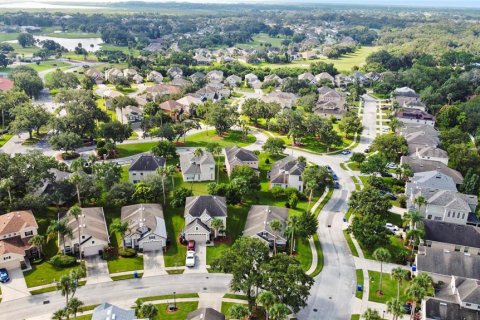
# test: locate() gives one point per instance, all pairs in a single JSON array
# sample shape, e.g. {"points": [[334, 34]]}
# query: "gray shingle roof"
{"points": [[430, 179], [452, 233], [468, 290], [421, 165], [442, 310], [144, 217], [107, 311], [282, 169], [147, 162], [92, 222], [205, 314], [214, 206], [240, 154], [449, 199], [192, 165], [259, 218], [449, 263]]}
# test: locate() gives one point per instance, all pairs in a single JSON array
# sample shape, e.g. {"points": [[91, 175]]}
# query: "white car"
{"points": [[391, 165], [393, 228], [190, 260]]}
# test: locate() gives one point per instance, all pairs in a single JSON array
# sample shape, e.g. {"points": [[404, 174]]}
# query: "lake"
{"points": [[70, 44]]}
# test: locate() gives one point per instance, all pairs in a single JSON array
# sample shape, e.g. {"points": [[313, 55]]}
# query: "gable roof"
{"points": [[422, 165], [196, 223], [91, 221], [463, 235], [236, 153], [468, 290], [449, 263], [144, 217], [17, 220], [259, 218], [214, 206], [170, 105], [107, 311], [205, 314], [431, 180], [282, 169], [445, 310], [147, 162], [193, 165]]}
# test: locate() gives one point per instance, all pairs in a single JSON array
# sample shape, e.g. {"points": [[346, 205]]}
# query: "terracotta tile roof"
{"points": [[5, 84], [15, 245], [16, 221]]}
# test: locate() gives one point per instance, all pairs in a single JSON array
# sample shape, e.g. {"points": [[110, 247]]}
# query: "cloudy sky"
{"points": [[432, 3]]}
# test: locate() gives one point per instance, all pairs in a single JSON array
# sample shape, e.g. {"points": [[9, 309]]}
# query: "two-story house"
{"points": [[286, 100], [236, 156], [146, 227], [287, 173], [199, 213], [144, 166], [330, 103], [215, 76], [423, 165], [16, 230], [258, 224], [197, 168], [408, 98], [429, 180], [410, 115], [90, 229]]}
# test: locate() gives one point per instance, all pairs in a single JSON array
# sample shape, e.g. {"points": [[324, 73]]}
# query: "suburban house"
{"points": [[287, 173], [429, 180], [408, 98], [408, 115], [175, 72], [93, 232], [285, 99], [249, 78], [112, 75], [324, 77], [236, 156], [445, 205], [330, 103], [171, 107], [307, 76], [419, 136], [197, 76], [48, 185], [95, 75], [373, 76], [155, 76], [450, 236], [146, 227], [215, 76], [16, 230], [160, 90], [457, 299], [197, 168], [189, 100], [144, 166], [129, 73], [423, 165], [181, 82], [273, 77], [205, 314], [131, 114], [342, 81], [233, 81], [258, 224], [107, 311], [430, 153], [199, 213]]}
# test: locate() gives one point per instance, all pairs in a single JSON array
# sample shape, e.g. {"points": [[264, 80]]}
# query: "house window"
{"points": [[196, 228], [134, 174], [93, 242], [429, 243], [28, 233], [141, 173], [463, 216], [457, 248], [468, 304], [465, 249], [83, 237], [151, 237], [448, 215], [458, 215]]}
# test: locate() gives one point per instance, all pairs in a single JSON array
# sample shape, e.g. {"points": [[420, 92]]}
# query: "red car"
{"points": [[191, 245]]}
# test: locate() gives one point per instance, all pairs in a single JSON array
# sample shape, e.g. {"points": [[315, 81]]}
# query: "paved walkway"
{"points": [[153, 264], [210, 300], [16, 288], [313, 248], [97, 270]]}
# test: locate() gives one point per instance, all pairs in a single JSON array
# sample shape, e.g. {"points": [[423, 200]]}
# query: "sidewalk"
{"points": [[314, 264]]}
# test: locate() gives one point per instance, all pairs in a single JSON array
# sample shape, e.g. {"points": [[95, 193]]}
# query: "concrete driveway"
{"points": [[153, 264], [200, 259], [16, 288], [97, 270]]}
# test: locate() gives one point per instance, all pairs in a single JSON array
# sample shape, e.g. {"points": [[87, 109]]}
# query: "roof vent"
{"points": [[467, 254], [446, 251]]}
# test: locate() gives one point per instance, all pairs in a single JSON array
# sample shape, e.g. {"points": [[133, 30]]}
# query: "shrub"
{"points": [[278, 192], [100, 144], [267, 161], [402, 199], [109, 253], [101, 152], [127, 252], [293, 201], [287, 205], [63, 261]]}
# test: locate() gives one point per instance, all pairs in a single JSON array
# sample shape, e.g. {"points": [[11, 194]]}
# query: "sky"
{"points": [[430, 3]]}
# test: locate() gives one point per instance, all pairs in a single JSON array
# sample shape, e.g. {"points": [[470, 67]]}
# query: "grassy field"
{"points": [[45, 65], [259, 41], [121, 264], [72, 35], [4, 139], [352, 247], [8, 36], [44, 273], [359, 274], [184, 308], [389, 288], [168, 297]]}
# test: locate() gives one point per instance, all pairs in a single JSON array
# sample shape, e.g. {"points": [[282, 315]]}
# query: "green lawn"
{"points": [[259, 40], [121, 264], [44, 273], [101, 105], [74, 35], [389, 288], [233, 138], [319, 267], [226, 309], [130, 149], [355, 317], [184, 308], [352, 247], [168, 297], [4, 139], [359, 274], [235, 296], [8, 36], [45, 65], [126, 276], [354, 166], [304, 255]]}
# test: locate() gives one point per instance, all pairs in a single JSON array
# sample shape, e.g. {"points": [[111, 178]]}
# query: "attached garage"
{"points": [[155, 245], [197, 230], [92, 250], [9, 263], [197, 236]]}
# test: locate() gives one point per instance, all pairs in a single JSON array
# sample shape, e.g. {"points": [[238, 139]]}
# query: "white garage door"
{"points": [[92, 250], [197, 236], [10, 264], [153, 245]]}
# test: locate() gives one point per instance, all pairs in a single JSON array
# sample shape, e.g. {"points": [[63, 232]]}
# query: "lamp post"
{"points": [[175, 301], [383, 316]]}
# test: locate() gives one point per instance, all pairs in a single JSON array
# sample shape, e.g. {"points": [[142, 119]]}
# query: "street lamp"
{"points": [[383, 317], [175, 301]]}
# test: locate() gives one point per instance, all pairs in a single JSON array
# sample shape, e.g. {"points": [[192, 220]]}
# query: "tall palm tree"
{"points": [[279, 311], [76, 212], [371, 314], [216, 225], [7, 184], [292, 225], [414, 236], [59, 228], [399, 274], [117, 226], [411, 218], [65, 285], [267, 299], [420, 201], [238, 311], [76, 179], [416, 292], [163, 172], [197, 154], [395, 307], [38, 241], [60, 314], [424, 280], [276, 227], [74, 306], [171, 172], [382, 255]]}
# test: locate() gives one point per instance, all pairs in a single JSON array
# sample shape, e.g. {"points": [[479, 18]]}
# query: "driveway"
{"points": [[97, 270], [153, 264], [16, 288], [201, 259]]}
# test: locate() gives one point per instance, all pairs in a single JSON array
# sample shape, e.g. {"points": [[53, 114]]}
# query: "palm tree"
{"points": [[416, 292], [163, 172], [76, 212], [148, 311], [276, 227], [216, 225], [138, 307], [217, 151], [60, 314], [395, 307], [7, 184], [171, 172], [238, 311], [60, 228], [371, 314], [420, 201], [279, 311], [424, 280], [382, 255], [38, 241], [73, 307], [292, 224], [197, 154], [76, 179], [267, 299], [117, 226], [414, 236], [411, 218], [399, 274], [65, 285]]}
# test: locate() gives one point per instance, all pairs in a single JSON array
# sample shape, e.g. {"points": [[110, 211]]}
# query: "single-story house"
{"points": [[144, 166], [107, 311], [205, 314], [199, 213]]}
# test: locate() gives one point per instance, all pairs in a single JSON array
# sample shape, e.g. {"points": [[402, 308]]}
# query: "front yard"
{"points": [[121, 264], [389, 288], [184, 308]]}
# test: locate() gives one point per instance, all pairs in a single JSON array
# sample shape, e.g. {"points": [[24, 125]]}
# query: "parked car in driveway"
{"points": [[191, 245], [334, 176], [346, 152], [4, 275], [391, 165], [336, 185], [393, 228], [386, 174], [388, 194], [190, 259]]}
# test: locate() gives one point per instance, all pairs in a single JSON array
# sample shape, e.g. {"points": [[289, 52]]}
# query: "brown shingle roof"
{"points": [[16, 221]]}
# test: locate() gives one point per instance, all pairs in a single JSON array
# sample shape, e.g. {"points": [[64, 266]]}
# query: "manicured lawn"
{"points": [[44, 273], [354, 166], [130, 149], [260, 40], [121, 264], [8, 36], [45, 65], [352, 247], [235, 296], [319, 267], [359, 273], [4, 139], [101, 105], [184, 308], [226, 309], [232, 138], [355, 317], [127, 276], [304, 255], [168, 296], [389, 287], [175, 254]]}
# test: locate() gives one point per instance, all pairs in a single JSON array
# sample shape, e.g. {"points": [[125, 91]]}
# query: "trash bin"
{"points": [[344, 219], [414, 267], [135, 274], [359, 287]]}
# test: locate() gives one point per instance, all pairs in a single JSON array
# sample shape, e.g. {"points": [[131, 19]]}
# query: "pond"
{"points": [[89, 44]]}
